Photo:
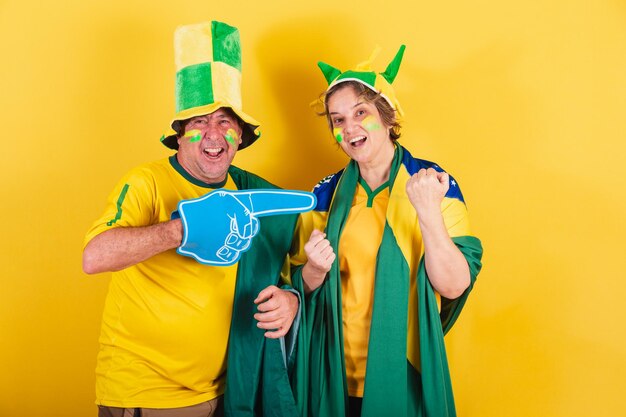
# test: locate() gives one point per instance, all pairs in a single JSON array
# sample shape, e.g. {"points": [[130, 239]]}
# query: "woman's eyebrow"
{"points": [[355, 106]]}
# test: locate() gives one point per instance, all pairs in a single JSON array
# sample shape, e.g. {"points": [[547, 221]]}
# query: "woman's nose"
{"points": [[348, 126]]}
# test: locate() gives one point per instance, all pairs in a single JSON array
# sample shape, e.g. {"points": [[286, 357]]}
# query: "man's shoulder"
{"points": [[148, 175]]}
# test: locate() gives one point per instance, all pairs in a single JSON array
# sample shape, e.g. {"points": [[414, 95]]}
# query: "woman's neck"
{"points": [[376, 172]]}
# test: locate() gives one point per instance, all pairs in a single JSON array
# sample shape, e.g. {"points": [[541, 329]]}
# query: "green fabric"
{"points": [[257, 382], [194, 86], [226, 44], [366, 77], [330, 72], [386, 355], [182, 171], [393, 67], [120, 200], [392, 385], [437, 388], [372, 194]]}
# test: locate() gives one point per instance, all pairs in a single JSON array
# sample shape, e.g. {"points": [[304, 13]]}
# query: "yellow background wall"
{"points": [[523, 101]]}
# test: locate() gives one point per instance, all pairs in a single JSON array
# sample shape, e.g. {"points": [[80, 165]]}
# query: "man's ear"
{"points": [[242, 126]]}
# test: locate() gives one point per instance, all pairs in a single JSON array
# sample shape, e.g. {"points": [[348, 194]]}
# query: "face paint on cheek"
{"points": [[370, 123], [338, 134], [194, 135], [231, 136]]}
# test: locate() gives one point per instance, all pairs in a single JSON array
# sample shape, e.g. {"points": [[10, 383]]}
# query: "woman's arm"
{"points": [[446, 266], [320, 257]]}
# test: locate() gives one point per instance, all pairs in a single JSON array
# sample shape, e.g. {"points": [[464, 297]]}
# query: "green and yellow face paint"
{"points": [[338, 134], [194, 135], [231, 136], [370, 123]]}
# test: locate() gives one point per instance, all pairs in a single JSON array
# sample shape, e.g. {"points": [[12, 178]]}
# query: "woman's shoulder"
{"points": [[413, 164], [325, 189], [329, 181]]}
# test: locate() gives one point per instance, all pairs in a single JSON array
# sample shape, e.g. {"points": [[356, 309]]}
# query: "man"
{"points": [[167, 318]]}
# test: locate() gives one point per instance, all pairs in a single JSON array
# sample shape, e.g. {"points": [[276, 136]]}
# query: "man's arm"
{"points": [[122, 247]]}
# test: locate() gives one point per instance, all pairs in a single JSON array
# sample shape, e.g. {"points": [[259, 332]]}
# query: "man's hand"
{"points": [[320, 257], [277, 310]]}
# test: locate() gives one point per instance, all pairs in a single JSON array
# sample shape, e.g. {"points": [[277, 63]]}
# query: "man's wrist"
{"points": [[175, 232]]}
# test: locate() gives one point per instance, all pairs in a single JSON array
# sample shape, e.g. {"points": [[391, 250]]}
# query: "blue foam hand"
{"points": [[219, 227]]}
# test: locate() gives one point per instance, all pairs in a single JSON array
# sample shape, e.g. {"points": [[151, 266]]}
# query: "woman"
{"points": [[391, 273]]}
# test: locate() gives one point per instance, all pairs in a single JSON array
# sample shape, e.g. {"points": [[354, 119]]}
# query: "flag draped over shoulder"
{"points": [[257, 381], [407, 372]]}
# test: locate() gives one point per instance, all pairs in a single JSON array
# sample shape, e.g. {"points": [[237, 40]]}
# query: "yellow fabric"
{"points": [[358, 247], [410, 242], [367, 65], [166, 320], [193, 44], [208, 109], [307, 222], [386, 91], [381, 85], [226, 84]]}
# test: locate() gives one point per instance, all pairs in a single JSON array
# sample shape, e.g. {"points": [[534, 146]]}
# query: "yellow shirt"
{"points": [[166, 320], [358, 248]]}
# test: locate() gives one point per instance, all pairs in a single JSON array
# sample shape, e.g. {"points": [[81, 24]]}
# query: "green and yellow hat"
{"points": [[208, 77], [363, 73]]}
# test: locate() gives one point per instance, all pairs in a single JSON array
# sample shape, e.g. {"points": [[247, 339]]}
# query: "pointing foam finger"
{"points": [[274, 202]]}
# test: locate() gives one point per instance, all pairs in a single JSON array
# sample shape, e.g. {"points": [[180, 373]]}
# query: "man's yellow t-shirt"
{"points": [[166, 320]]}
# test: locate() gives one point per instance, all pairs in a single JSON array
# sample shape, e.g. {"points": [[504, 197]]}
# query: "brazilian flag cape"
{"points": [[407, 371], [257, 383]]}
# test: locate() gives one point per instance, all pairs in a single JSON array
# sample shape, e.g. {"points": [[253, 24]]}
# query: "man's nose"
{"points": [[212, 131]]}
